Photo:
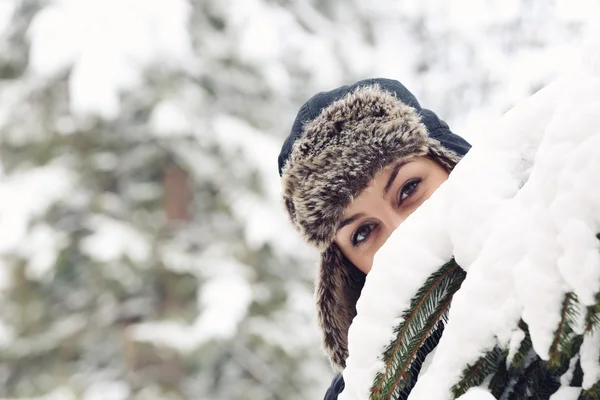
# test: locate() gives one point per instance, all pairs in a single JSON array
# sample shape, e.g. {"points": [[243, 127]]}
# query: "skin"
{"points": [[395, 192]]}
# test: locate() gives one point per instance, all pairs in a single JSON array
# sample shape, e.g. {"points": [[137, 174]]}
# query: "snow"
{"points": [[47, 244], [221, 312], [426, 363], [292, 322], [27, 195], [260, 40], [542, 156], [59, 331], [7, 10], [61, 393], [223, 303], [239, 140], [566, 393], [168, 119], [570, 10], [567, 377], [476, 394], [107, 45], [514, 344], [7, 335], [590, 359], [118, 390], [113, 240], [24, 197]]}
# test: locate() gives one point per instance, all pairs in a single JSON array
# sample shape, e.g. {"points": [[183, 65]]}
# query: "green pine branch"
{"points": [[520, 387], [428, 307], [515, 372], [564, 337], [501, 379], [592, 393], [525, 348], [526, 377], [475, 374], [592, 322], [592, 317]]}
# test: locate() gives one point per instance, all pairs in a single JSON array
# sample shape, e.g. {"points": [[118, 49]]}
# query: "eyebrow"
{"points": [[350, 220], [392, 178], [386, 190]]}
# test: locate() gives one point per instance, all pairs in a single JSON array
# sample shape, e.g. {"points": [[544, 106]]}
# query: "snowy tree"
{"points": [[143, 251]]}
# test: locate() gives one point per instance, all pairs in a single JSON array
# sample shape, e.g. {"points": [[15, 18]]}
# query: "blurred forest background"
{"points": [[144, 253]]}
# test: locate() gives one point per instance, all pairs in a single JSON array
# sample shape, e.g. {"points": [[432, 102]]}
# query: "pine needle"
{"points": [[592, 393], [476, 373], [564, 336], [428, 307], [592, 317]]}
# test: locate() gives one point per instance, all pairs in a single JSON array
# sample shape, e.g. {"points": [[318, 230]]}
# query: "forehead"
{"points": [[375, 188]]}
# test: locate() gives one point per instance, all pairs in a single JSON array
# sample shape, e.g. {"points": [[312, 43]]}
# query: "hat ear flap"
{"points": [[337, 290]]}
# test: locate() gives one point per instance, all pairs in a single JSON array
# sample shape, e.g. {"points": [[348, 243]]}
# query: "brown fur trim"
{"points": [[337, 290]]}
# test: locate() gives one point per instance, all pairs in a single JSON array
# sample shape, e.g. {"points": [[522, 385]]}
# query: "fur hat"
{"points": [[340, 141]]}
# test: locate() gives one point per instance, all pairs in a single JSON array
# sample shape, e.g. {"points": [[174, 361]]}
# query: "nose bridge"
{"points": [[393, 218]]}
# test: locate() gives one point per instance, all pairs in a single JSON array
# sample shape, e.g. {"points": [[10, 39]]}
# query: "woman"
{"points": [[359, 160]]}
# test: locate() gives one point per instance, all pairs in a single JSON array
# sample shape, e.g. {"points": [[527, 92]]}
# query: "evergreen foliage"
{"points": [[564, 337], [428, 307], [592, 393], [525, 376], [492, 363]]}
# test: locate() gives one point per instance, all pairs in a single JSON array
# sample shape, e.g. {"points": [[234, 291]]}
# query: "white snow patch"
{"points": [[590, 359], [477, 394], [222, 311], [112, 240], [223, 302], [514, 344], [238, 137], [7, 11], [576, 10], [168, 118], [56, 333], [27, 195], [426, 363], [240, 140], [41, 247], [7, 336], [259, 39], [115, 390], [567, 377], [61, 393], [107, 44], [566, 393]]}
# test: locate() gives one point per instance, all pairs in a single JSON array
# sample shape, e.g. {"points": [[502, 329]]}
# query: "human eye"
{"points": [[408, 189], [361, 234]]}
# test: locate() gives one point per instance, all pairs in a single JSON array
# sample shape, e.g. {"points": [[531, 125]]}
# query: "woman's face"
{"points": [[390, 198]]}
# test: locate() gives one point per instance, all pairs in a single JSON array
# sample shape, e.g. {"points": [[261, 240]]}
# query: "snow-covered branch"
{"points": [[520, 214]]}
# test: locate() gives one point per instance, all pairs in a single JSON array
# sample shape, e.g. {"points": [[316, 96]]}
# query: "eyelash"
{"points": [[408, 189], [355, 241]]}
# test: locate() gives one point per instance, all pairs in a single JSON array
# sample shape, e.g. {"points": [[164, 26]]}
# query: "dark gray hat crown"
{"points": [[436, 127]]}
